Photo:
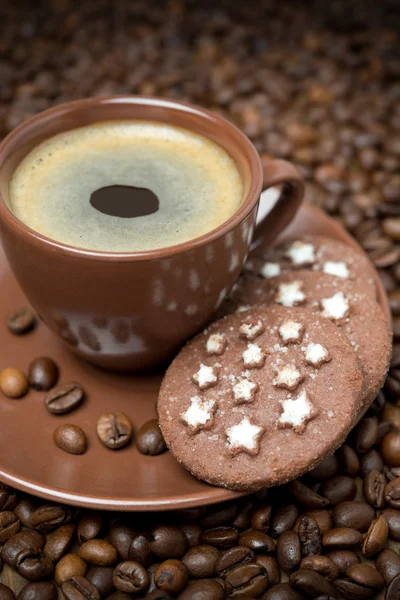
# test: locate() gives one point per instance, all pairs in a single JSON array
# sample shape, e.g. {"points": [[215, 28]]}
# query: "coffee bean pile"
{"points": [[334, 534], [314, 83]]}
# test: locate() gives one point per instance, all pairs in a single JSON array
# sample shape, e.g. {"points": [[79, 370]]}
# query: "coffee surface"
{"points": [[125, 186]]}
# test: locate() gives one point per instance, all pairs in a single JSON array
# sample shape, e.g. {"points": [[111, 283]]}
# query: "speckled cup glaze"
{"points": [[132, 311]]}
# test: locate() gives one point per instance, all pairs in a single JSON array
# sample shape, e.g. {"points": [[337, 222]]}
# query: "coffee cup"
{"points": [[129, 311]]}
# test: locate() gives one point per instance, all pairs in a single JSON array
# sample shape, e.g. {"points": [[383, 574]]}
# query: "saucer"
{"points": [[122, 480]]}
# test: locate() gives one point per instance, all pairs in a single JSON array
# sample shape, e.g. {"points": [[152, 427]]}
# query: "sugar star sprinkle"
{"points": [[205, 377], [301, 253], [199, 415], [290, 294], [244, 437], [336, 307], [297, 412]]}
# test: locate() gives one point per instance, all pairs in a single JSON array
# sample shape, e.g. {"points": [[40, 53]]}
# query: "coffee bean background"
{"points": [[316, 83]]}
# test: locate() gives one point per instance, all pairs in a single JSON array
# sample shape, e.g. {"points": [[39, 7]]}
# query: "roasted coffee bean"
{"points": [[13, 383], [201, 561], [288, 551], [243, 518], [310, 536], [6, 593], [171, 576], [193, 533], [366, 434], [22, 541], [348, 461], [356, 514], [59, 541], [34, 565], [221, 537], [21, 321], [338, 489], [373, 489], [139, 550], [9, 525], [327, 469], [219, 515], [89, 526], [283, 519], [71, 565], [391, 413], [121, 535], [376, 537], [246, 581], [392, 517], [390, 448], [271, 566], [102, 579], [261, 517], [383, 429], [305, 496], [4, 496], [131, 577], [204, 589], [168, 541], [392, 384], [232, 558], [378, 404], [393, 591], [353, 591], [391, 473], [322, 517], [312, 583], [123, 596], [322, 565], [391, 227], [342, 537], [11, 501], [98, 552], [371, 461], [114, 430], [42, 373], [394, 301], [79, 588], [388, 564], [23, 511], [5, 492], [64, 398], [392, 493], [283, 591], [49, 516], [71, 439], [45, 590], [344, 559], [365, 575], [258, 541], [149, 439]]}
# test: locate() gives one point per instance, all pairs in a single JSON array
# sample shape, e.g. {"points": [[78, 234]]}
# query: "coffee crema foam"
{"points": [[197, 183]]}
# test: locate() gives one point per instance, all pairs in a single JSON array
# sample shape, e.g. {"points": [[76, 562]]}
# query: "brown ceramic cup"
{"points": [[131, 311]]}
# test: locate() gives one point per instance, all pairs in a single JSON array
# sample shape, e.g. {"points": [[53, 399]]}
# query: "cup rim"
{"points": [[247, 149]]}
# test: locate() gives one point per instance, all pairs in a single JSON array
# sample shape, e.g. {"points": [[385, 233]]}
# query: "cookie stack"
{"points": [[275, 385]]}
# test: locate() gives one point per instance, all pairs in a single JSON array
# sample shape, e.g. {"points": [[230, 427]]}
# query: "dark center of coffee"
{"points": [[124, 201]]}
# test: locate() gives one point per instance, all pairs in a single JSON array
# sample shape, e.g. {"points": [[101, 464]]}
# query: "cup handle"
{"points": [[270, 222]]}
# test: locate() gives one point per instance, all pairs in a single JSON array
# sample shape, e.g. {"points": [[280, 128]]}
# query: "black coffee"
{"points": [[126, 186]]}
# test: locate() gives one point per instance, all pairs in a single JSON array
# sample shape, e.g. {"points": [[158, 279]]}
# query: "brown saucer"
{"points": [[123, 480]]}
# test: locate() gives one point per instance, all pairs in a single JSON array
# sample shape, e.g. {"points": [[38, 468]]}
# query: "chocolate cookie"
{"points": [[260, 397], [341, 301], [316, 253]]}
